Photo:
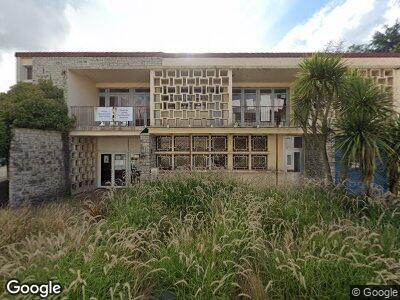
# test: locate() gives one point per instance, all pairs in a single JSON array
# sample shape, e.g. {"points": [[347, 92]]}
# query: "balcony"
{"points": [[92, 117]]}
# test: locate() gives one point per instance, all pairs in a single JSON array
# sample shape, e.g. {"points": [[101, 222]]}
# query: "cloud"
{"points": [[33, 24], [174, 25], [351, 21]]}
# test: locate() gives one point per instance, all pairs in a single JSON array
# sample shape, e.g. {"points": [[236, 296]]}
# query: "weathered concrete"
{"points": [[38, 169]]}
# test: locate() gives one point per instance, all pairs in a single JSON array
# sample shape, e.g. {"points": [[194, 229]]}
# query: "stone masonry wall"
{"points": [[38, 167], [147, 158], [56, 68]]}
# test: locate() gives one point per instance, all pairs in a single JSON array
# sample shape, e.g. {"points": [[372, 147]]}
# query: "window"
{"points": [[219, 161], [259, 143], [164, 143], [259, 106], [182, 162], [182, 143], [164, 162], [218, 143], [200, 161], [240, 143], [28, 72], [240, 162], [259, 162], [289, 160], [298, 142]]}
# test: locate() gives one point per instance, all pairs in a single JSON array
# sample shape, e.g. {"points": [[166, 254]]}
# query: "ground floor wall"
{"points": [[113, 161]]}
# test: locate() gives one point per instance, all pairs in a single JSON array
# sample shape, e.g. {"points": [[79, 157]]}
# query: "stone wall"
{"points": [[39, 166], [147, 157], [56, 68]]}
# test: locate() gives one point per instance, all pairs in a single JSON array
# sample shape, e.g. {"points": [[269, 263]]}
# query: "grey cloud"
{"points": [[33, 24], [368, 23]]}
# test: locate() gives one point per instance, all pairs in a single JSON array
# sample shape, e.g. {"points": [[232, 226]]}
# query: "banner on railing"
{"points": [[103, 114], [123, 114]]}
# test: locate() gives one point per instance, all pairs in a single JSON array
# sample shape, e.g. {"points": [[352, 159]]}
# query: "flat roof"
{"points": [[198, 55]]}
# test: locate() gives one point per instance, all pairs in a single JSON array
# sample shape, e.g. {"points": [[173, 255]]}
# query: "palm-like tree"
{"points": [[394, 156], [362, 122], [319, 81]]}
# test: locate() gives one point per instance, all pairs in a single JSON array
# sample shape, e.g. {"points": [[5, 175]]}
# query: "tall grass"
{"points": [[203, 236]]}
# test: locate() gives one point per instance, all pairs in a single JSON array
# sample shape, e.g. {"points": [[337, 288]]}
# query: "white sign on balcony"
{"points": [[123, 114], [103, 114]]}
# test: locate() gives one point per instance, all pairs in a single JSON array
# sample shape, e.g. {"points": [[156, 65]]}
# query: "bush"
{"points": [[36, 106], [204, 236]]}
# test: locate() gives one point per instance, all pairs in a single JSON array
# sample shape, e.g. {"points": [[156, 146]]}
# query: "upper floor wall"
{"points": [[192, 89]]}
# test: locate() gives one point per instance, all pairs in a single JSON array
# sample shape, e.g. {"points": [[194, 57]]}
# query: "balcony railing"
{"points": [[264, 116], [88, 116]]}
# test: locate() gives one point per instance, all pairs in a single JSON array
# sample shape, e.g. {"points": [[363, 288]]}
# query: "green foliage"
{"points": [[387, 41], [37, 106], [320, 79], [393, 156], [203, 237], [362, 120], [318, 83]]}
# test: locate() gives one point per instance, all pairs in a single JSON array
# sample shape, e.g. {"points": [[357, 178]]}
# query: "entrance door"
{"points": [[297, 161], [106, 170], [120, 169]]}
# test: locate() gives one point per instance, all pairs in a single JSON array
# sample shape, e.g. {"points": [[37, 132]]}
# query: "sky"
{"points": [[185, 26]]}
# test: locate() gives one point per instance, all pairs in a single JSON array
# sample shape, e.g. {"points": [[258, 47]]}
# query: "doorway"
{"points": [[113, 170]]}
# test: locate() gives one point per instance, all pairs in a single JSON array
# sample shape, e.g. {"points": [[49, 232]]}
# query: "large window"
{"points": [[264, 107], [210, 152]]}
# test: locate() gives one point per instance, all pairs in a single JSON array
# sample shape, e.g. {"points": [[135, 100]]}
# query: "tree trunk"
{"points": [[327, 167], [313, 148]]}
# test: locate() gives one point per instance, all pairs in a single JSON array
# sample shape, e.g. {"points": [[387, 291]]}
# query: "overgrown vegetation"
{"points": [[28, 105], [204, 236]]}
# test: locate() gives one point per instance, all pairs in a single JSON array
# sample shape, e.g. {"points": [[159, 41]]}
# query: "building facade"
{"points": [[157, 111]]}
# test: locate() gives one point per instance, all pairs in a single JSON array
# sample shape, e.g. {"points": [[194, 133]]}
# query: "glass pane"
{"points": [[280, 106], [250, 100], [265, 107], [102, 101], [119, 169], [124, 101], [236, 99], [113, 100]]}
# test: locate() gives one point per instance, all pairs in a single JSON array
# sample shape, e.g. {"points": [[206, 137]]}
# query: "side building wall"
{"points": [[39, 166]]}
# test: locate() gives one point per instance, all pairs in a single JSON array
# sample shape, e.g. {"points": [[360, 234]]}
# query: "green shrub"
{"points": [[37, 106]]}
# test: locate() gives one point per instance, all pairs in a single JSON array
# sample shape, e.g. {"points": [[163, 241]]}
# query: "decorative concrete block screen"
{"points": [[83, 164], [191, 97], [382, 77], [38, 168]]}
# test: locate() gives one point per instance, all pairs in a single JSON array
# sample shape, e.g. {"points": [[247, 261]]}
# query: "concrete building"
{"points": [[157, 111]]}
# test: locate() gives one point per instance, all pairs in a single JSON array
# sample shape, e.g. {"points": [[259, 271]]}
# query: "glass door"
{"points": [[119, 169], [113, 169]]}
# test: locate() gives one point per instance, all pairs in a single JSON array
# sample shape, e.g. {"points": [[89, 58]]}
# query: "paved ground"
{"points": [[3, 173]]}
